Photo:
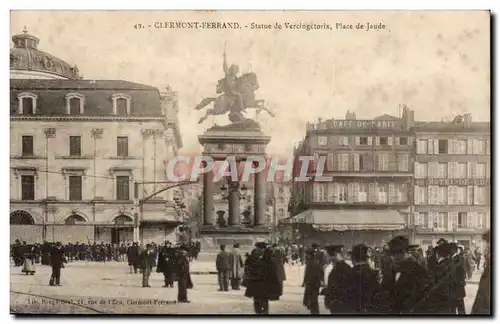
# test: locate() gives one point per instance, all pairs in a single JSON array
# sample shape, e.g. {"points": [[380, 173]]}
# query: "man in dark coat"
{"points": [[166, 263], [223, 266], [337, 290], [261, 278], [278, 258], [236, 263], [365, 289], [133, 257], [408, 286], [56, 261], [183, 275], [460, 276], [314, 277], [147, 262], [482, 303]]}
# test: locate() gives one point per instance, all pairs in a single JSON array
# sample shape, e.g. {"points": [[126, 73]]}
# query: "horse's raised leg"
{"points": [[210, 112]]}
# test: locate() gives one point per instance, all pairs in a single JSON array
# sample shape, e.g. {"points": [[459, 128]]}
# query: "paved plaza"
{"points": [[92, 288]]}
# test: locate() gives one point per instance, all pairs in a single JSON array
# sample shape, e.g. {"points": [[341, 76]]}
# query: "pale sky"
{"points": [[437, 63]]}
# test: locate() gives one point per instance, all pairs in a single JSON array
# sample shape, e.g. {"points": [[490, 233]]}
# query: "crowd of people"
{"points": [[398, 278], [395, 279]]}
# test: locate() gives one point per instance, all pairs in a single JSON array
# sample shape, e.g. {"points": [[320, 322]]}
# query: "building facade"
{"points": [[77, 148], [452, 181], [370, 162]]}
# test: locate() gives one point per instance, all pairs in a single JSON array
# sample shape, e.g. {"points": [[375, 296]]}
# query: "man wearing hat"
{"points": [[166, 263], [223, 266], [460, 275], [261, 279], [183, 277], [236, 263], [482, 303], [147, 261], [314, 277], [409, 283], [57, 262], [364, 284], [440, 296], [337, 289]]}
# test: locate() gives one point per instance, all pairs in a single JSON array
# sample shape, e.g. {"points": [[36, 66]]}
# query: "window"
{"points": [[122, 146], [440, 220], [362, 193], [121, 104], [420, 195], [403, 141], [322, 140], [480, 171], [343, 141], [461, 171], [457, 195], [443, 146], [423, 220], [122, 188], [329, 162], [320, 192], [27, 146], [27, 187], [422, 146], [280, 189], [382, 194], [281, 213], [403, 163], [481, 219], [383, 162], [27, 103], [363, 140], [480, 196], [479, 147], [437, 195], [74, 104], [341, 196], [75, 146], [441, 170], [420, 170], [462, 220], [343, 161], [281, 200], [460, 147], [383, 141], [75, 187]]}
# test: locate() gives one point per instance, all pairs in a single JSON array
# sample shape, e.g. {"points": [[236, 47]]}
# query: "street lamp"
{"points": [[226, 190]]}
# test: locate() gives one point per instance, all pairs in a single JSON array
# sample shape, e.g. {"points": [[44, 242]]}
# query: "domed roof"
{"points": [[26, 56]]}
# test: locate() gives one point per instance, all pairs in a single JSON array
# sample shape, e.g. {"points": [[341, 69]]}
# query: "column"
{"points": [[234, 203], [208, 198], [259, 199]]}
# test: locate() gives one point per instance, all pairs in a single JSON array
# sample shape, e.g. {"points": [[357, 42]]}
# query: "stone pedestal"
{"points": [[241, 141]]}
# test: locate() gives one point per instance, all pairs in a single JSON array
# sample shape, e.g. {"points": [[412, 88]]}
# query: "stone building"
{"points": [[452, 181], [77, 146], [370, 162]]}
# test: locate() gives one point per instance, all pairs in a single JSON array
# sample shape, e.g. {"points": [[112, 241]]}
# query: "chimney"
{"points": [[467, 118]]}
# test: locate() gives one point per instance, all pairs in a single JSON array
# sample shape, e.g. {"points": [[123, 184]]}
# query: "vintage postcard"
{"points": [[250, 162]]}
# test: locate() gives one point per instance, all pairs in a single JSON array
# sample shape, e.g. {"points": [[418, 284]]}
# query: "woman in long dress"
{"points": [[29, 261]]}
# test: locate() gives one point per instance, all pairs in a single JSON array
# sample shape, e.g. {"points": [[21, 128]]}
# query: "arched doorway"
{"points": [[74, 219], [20, 217], [123, 229]]}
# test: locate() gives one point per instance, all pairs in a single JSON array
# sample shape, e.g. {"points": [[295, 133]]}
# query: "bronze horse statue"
{"points": [[235, 104]]}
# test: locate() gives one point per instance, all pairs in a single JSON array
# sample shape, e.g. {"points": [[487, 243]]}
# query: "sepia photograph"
{"points": [[250, 163]]}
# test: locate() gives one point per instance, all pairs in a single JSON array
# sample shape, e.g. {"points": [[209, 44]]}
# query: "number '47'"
{"points": [[138, 26]]}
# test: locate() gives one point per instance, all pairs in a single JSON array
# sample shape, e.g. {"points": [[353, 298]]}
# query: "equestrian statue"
{"points": [[235, 94]]}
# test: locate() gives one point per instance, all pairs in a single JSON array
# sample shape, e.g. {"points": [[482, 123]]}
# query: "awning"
{"points": [[348, 220]]}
